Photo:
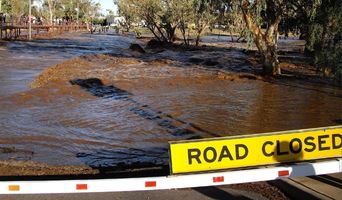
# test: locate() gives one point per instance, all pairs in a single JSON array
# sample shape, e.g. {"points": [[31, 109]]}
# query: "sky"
{"points": [[107, 4]]}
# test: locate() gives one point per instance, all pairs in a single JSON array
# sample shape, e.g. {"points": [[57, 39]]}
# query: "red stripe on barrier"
{"points": [[218, 179], [150, 184], [283, 173], [81, 186]]}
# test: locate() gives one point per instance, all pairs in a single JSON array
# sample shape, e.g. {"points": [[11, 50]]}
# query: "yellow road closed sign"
{"points": [[255, 150]]}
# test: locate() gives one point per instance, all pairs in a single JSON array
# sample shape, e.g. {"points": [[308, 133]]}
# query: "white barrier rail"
{"points": [[172, 182]]}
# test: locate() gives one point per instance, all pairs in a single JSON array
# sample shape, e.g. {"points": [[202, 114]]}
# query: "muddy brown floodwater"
{"points": [[120, 108]]}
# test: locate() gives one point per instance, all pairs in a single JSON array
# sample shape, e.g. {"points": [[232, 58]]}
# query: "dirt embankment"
{"points": [[111, 68], [29, 168], [216, 61]]}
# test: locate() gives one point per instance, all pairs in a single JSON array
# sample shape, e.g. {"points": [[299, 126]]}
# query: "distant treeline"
{"points": [[50, 12]]}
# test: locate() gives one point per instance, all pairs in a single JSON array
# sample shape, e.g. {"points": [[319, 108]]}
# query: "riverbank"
{"points": [[29, 168]]}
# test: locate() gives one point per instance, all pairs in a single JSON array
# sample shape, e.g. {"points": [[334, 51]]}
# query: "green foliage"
{"points": [[99, 21], [297, 16], [163, 17], [328, 61], [246, 33], [6, 6], [158, 15], [203, 12], [127, 10], [319, 23], [324, 38], [52, 9], [314, 37]]}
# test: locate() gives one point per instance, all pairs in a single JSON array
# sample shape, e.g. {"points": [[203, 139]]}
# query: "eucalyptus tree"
{"points": [[183, 8], [170, 19], [319, 23], [156, 14], [324, 38], [127, 9], [75, 9], [52, 7], [203, 16], [163, 17], [18, 8], [5, 6], [150, 11], [159, 18], [267, 13], [229, 18], [297, 16], [88, 10]]}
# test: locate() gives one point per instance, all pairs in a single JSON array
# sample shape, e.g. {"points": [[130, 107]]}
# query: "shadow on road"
{"points": [[216, 193], [292, 153], [328, 180]]}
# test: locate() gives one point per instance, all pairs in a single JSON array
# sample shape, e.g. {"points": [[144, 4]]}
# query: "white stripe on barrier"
{"points": [[171, 182]]}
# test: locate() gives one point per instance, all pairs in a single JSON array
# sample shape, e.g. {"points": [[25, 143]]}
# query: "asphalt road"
{"points": [[222, 192]]}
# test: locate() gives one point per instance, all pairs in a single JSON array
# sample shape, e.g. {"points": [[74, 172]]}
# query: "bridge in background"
{"points": [[14, 32]]}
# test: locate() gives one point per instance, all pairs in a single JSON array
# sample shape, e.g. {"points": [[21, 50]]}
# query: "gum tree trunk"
{"points": [[266, 42], [50, 4]]}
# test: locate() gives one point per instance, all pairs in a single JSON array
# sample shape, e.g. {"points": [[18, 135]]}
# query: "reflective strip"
{"points": [[81, 187], [150, 184], [283, 173], [14, 188], [218, 179]]}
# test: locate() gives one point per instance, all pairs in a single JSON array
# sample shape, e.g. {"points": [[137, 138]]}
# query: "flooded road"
{"points": [[21, 62], [110, 110]]}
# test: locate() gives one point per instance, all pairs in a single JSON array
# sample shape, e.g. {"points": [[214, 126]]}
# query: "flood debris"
{"points": [[7, 149], [98, 89], [136, 48], [154, 44], [12, 152]]}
